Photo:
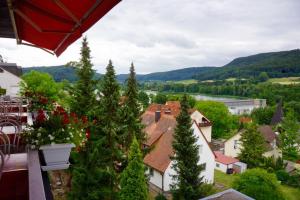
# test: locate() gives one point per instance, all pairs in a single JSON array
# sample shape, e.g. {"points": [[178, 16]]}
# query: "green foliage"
{"points": [[259, 184], [218, 114], [187, 179], [40, 88], [282, 176], [263, 115], [263, 77], [107, 132], [83, 97], [133, 180], [289, 136], [207, 189], [95, 173], [293, 105], [160, 98], [191, 100], [131, 112], [160, 197], [144, 99], [242, 88], [253, 146], [2, 91]]}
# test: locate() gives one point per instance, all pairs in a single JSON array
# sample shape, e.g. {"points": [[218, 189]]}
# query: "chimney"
{"points": [[157, 115]]}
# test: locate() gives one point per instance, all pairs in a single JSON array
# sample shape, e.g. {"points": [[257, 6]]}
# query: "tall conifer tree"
{"points": [[131, 111], [186, 157], [83, 96], [133, 180], [96, 175], [108, 128]]}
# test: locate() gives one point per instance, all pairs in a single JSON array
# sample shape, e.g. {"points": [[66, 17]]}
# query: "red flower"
{"points": [[88, 134], [66, 119], [84, 119], [41, 117], [43, 100]]}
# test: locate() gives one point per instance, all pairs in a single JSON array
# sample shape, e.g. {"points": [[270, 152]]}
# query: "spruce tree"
{"points": [[83, 96], [108, 146], [253, 146], [95, 176], [186, 157], [133, 180], [131, 112]]}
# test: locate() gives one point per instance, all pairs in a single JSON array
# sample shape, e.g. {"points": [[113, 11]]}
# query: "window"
{"points": [[217, 165], [235, 145], [151, 172], [203, 166], [200, 149]]}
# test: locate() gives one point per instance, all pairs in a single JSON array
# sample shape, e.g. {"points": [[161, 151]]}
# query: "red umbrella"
{"points": [[51, 24]]}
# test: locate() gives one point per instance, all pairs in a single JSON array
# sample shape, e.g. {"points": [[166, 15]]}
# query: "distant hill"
{"points": [[59, 73], [276, 64], [68, 73]]}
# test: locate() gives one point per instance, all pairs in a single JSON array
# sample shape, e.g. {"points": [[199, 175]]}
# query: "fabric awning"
{"points": [[51, 24]]}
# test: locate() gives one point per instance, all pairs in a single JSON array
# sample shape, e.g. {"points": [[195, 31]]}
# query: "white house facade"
{"points": [[9, 80], [160, 127]]}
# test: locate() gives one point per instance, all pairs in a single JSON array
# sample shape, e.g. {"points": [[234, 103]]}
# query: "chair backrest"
{"points": [[11, 127]]}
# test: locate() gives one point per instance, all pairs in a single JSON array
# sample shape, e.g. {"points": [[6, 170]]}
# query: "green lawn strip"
{"points": [[290, 193]]}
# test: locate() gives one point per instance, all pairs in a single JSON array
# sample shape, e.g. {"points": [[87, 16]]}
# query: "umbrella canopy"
{"points": [[51, 25]]}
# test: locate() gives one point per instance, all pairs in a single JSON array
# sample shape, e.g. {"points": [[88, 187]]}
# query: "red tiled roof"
{"points": [[221, 158], [160, 134]]}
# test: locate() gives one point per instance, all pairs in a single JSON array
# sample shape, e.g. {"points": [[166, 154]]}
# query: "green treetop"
{"points": [[83, 96], [289, 135], [133, 181], [187, 178], [253, 146], [131, 111]]}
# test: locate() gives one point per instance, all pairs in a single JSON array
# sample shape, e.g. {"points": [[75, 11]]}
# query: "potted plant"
{"points": [[55, 134]]}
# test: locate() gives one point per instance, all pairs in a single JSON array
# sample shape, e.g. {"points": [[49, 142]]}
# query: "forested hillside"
{"points": [[275, 64]]}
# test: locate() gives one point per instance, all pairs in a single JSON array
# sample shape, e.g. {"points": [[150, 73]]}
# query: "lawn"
{"points": [[185, 82], [226, 180], [285, 80]]}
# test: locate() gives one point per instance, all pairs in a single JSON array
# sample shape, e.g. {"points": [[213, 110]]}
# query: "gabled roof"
{"points": [[160, 134], [268, 134], [226, 160], [12, 68], [278, 115], [229, 194]]}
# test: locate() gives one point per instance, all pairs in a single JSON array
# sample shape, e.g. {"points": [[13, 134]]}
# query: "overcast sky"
{"points": [[161, 35]]}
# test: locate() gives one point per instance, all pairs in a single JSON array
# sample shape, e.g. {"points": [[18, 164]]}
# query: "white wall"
{"points": [[229, 146], [206, 156], [239, 110], [10, 82], [222, 167], [156, 178], [197, 116]]}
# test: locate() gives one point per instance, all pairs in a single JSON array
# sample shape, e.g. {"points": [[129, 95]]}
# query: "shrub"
{"points": [[282, 175], [160, 196], [259, 184]]}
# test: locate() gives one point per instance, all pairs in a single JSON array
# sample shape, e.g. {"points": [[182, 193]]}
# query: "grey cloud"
{"points": [[159, 35]]}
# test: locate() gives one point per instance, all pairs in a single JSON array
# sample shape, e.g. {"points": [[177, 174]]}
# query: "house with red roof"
{"points": [[229, 164], [160, 123]]}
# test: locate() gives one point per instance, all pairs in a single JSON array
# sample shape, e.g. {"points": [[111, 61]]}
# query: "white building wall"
{"points": [[10, 82], [222, 167], [156, 178], [239, 110], [206, 156], [229, 149], [197, 116]]}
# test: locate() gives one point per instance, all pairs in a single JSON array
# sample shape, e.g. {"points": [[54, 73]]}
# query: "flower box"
{"points": [[56, 156]]}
